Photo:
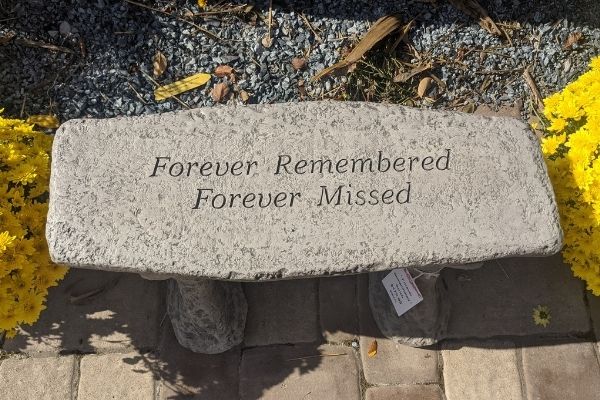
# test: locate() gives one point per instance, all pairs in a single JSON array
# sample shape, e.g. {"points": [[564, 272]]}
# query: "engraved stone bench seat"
{"points": [[282, 191]]}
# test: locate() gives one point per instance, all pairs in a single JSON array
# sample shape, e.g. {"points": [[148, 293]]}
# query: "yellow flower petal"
{"points": [[44, 121]]}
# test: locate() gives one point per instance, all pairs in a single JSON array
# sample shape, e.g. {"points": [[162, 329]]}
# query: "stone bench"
{"points": [[284, 191]]}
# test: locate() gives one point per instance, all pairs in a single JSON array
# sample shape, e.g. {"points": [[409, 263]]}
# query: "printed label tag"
{"points": [[402, 290]]}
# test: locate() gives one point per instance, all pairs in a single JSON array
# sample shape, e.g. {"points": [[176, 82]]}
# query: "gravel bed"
{"points": [[113, 42]]}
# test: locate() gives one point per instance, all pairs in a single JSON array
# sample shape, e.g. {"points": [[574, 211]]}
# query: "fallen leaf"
{"points": [[159, 64], [572, 39], [223, 70], [302, 89], [219, 92], [298, 63], [183, 85], [473, 9], [469, 108], [267, 41], [536, 96], [34, 43], [424, 86], [202, 3], [7, 37], [380, 29], [44, 121], [244, 96], [405, 76], [372, 349]]}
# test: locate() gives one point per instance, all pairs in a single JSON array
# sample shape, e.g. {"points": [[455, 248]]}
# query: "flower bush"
{"points": [[26, 271], [571, 147]]}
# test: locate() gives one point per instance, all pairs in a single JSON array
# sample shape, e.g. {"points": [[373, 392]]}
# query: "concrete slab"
{"points": [[406, 392], [499, 298], [481, 370], [115, 376], [561, 371], [338, 309], [95, 311], [292, 190], [49, 378], [186, 374], [282, 312], [394, 363], [304, 371]]}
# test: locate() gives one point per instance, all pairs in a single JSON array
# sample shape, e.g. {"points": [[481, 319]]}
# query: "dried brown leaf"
{"points": [[298, 63], [473, 9], [405, 76], [6, 37], [424, 86], [468, 108], [159, 64], [572, 39], [223, 70], [372, 352], [244, 96], [267, 41], [219, 92], [380, 29]]}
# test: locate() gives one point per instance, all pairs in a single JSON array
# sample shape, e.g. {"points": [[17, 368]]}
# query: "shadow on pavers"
{"points": [[98, 312]]}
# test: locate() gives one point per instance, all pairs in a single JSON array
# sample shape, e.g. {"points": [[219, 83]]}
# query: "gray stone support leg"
{"points": [[208, 316], [423, 325]]}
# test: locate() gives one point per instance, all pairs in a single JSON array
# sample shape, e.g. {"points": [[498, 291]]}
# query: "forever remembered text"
{"points": [[207, 197]]}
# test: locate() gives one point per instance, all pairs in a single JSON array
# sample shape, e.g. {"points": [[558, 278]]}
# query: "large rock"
{"points": [[207, 316], [143, 194]]}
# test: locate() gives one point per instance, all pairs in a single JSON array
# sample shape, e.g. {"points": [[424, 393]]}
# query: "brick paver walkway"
{"points": [[105, 336]]}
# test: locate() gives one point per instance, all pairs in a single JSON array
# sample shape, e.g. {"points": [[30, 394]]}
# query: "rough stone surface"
{"points": [[299, 372], [115, 376], [499, 298], [95, 311], [561, 371], [207, 316], [504, 111], [416, 392], [394, 363], [48, 378], [483, 370], [282, 312], [338, 309], [423, 325], [106, 211], [185, 374]]}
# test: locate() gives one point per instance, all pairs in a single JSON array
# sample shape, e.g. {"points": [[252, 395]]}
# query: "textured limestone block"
{"points": [[291, 190], [207, 316], [423, 325]]}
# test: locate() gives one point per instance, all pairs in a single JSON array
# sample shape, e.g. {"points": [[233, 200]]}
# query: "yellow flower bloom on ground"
{"points": [[572, 151], [550, 143], [541, 316], [6, 241], [26, 271]]}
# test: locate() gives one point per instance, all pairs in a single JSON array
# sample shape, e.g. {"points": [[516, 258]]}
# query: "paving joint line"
{"points": [[76, 378]]}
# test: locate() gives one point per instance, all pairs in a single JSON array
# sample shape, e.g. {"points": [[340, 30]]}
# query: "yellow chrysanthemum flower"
{"points": [[26, 271], [572, 151]]}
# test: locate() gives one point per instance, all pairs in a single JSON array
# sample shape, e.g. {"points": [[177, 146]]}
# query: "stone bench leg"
{"points": [[207, 316], [427, 322]]}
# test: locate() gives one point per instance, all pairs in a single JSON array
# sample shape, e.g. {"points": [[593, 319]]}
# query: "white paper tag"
{"points": [[402, 290]]}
